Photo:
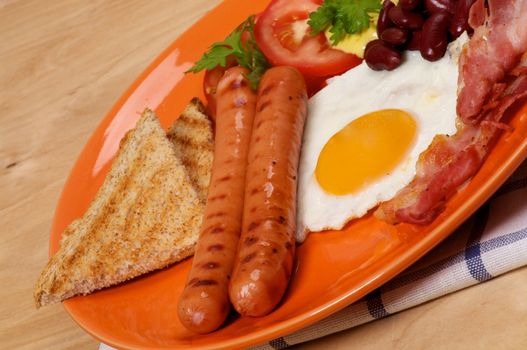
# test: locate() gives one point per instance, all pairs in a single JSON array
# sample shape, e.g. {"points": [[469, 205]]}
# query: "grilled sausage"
{"points": [[266, 248], [204, 304]]}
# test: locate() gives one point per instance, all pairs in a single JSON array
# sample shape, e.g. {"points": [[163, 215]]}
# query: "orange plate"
{"points": [[334, 269]]}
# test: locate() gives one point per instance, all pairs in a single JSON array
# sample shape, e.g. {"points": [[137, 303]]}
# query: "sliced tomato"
{"points": [[284, 37]]}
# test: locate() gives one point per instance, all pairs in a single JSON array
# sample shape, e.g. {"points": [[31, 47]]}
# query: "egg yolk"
{"points": [[366, 149]]}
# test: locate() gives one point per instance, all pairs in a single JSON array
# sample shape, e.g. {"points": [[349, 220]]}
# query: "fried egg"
{"points": [[364, 134]]}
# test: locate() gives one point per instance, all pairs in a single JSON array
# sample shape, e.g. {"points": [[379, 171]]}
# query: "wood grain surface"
{"points": [[63, 63]]}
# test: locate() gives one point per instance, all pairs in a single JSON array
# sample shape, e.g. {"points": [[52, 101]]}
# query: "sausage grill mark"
{"points": [[248, 258], [216, 215], [218, 197], [264, 106], [218, 228], [199, 283], [259, 124], [225, 178], [251, 240], [267, 90], [215, 248], [253, 225]]}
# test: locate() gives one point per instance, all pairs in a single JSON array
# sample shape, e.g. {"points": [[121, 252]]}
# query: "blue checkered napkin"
{"points": [[493, 241]]}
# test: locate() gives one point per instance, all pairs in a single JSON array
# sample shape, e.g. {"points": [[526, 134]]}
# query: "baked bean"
{"points": [[405, 19], [434, 38], [384, 22], [373, 43], [394, 36], [409, 5], [380, 56], [459, 22], [415, 40], [433, 6]]}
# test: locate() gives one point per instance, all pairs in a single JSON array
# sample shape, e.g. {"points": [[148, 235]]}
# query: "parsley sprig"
{"points": [[245, 51], [343, 17]]}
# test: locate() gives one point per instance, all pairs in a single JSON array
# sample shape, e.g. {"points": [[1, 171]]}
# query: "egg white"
{"points": [[426, 90]]}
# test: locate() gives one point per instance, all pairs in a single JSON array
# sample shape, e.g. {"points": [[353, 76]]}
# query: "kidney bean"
{"points": [[415, 41], [433, 6], [409, 5], [434, 38], [382, 57], [384, 22], [459, 22], [405, 19], [395, 36], [373, 43]]}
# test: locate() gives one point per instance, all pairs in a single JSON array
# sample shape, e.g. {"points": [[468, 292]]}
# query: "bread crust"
{"points": [[146, 216]]}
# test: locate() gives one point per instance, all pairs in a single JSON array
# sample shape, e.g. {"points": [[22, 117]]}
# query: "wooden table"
{"points": [[63, 63]]}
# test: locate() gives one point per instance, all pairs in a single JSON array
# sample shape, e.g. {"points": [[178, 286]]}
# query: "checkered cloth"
{"points": [[493, 241]]}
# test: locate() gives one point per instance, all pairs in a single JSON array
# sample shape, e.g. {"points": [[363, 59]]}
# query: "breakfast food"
{"points": [[204, 304], [191, 135], [145, 216], [362, 141], [499, 40], [389, 140], [492, 77], [265, 254], [282, 33], [490, 80]]}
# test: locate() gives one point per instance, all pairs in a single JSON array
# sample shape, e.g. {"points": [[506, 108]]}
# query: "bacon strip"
{"points": [[450, 161], [477, 14], [495, 48], [492, 78]]}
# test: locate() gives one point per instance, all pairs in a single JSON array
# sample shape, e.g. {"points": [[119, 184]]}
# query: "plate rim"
{"points": [[397, 265]]}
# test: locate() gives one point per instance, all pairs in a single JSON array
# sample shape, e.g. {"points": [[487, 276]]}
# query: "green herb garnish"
{"points": [[245, 51], [343, 17]]}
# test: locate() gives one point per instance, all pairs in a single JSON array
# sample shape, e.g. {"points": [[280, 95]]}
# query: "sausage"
{"points": [[210, 85], [266, 248], [204, 304]]}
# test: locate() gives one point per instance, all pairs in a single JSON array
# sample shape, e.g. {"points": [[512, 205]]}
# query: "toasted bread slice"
{"points": [[146, 215], [193, 139]]}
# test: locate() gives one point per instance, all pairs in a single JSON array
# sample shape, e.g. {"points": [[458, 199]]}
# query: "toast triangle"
{"points": [[145, 216]]}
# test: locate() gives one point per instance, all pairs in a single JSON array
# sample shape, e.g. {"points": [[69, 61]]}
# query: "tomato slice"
{"points": [[284, 37]]}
